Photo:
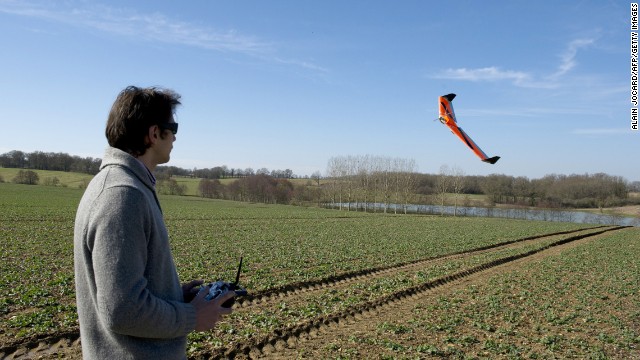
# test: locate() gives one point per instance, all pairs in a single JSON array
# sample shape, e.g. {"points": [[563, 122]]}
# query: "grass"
{"points": [[79, 180], [66, 179], [582, 303], [286, 244]]}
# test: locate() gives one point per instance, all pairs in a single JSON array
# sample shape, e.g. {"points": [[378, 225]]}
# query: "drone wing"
{"points": [[448, 117]]}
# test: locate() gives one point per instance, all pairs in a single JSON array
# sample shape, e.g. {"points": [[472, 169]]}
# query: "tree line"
{"points": [[364, 183], [373, 182], [260, 188], [39, 160], [370, 183], [551, 191], [222, 172]]}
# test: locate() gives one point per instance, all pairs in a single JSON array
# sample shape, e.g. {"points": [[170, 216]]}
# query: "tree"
{"points": [[370, 179], [27, 177], [14, 159], [522, 190], [316, 176], [385, 182], [210, 188], [408, 185], [51, 181], [457, 185], [257, 188], [171, 187], [497, 187], [442, 186], [336, 171]]}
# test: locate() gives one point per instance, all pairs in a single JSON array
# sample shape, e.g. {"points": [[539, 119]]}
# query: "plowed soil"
{"points": [[372, 329]]}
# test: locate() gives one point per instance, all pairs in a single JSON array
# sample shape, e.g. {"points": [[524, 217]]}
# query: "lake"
{"points": [[580, 217]]}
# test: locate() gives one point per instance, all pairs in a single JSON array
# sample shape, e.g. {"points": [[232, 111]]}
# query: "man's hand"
{"points": [[190, 289], [210, 312]]}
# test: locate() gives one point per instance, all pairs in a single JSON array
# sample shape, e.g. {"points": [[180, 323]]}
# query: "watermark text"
{"points": [[634, 66]]}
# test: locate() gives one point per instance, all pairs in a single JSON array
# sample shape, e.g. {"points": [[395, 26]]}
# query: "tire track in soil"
{"points": [[296, 289], [63, 345], [315, 342], [282, 342], [67, 344]]}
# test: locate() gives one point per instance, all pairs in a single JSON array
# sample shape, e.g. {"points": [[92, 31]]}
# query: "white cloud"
{"points": [[153, 27], [484, 74], [520, 78], [494, 74], [127, 22], [569, 56]]}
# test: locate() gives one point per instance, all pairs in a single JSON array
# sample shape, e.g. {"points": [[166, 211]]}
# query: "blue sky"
{"points": [[290, 84]]}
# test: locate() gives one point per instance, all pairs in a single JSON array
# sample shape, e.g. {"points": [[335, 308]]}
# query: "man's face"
{"points": [[164, 145]]}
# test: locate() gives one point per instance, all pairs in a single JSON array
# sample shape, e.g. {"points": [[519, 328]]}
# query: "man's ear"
{"points": [[153, 134]]}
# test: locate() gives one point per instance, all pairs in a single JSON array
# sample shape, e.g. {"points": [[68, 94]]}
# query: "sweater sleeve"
{"points": [[123, 234]]}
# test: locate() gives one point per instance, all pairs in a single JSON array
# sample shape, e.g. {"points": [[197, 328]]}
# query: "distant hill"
{"points": [[66, 179]]}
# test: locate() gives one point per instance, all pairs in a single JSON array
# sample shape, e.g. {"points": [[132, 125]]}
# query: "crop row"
{"points": [[578, 303], [280, 245], [300, 308]]}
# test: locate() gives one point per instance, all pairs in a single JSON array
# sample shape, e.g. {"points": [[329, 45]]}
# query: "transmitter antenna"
{"points": [[238, 273]]}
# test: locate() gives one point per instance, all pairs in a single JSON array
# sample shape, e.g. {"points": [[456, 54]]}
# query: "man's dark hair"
{"points": [[134, 112]]}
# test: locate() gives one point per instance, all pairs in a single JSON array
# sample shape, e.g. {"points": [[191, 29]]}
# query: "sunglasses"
{"points": [[173, 127]]}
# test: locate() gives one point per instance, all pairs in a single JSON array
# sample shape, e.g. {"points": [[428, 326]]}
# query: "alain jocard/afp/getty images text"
{"points": [[634, 66]]}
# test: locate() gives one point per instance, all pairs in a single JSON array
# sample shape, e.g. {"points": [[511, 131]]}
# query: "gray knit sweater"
{"points": [[130, 302]]}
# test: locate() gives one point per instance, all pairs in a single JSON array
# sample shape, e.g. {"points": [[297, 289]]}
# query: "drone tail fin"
{"points": [[492, 160]]}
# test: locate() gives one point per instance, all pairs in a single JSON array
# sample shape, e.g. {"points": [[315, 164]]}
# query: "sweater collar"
{"points": [[152, 178], [117, 157]]}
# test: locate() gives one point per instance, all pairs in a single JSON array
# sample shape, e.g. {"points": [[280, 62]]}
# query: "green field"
{"points": [[66, 179], [582, 303], [79, 180], [280, 244]]}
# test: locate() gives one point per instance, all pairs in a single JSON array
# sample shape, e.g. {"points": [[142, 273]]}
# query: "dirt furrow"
{"points": [[284, 341], [295, 289], [67, 344]]}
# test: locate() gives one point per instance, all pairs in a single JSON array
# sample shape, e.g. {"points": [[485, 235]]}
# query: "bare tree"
{"points": [[171, 187], [442, 186], [386, 182], [408, 182], [367, 180], [337, 172], [27, 177], [210, 188], [316, 176], [457, 185]]}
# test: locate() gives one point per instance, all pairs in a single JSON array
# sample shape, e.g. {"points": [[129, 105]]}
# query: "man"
{"points": [[131, 304]]}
